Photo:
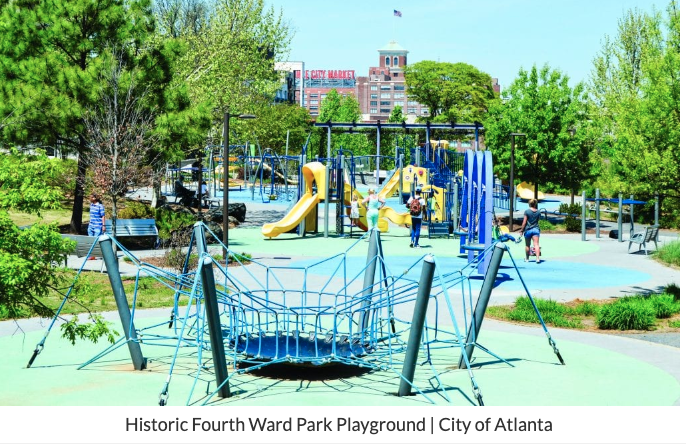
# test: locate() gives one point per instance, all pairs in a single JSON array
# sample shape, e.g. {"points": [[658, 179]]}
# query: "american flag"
{"points": [[397, 13]]}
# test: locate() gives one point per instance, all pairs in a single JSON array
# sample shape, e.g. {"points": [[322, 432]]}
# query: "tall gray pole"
{"points": [[597, 213], [225, 184], [214, 327], [112, 265], [378, 154], [369, 274], [400, 179], [415, 339], [657, 214], [482, 302], [583, 215], [328, 180], [620, 220], [512, 201]]}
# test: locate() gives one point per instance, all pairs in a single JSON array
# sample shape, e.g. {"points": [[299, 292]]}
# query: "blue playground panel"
{"points": [[550, 274]]}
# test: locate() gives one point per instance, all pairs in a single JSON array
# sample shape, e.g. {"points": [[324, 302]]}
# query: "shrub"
{"points": [[169, 221], [572, 224], [587, 308], [135, 210], [675, 324], [553, 313], [545, 225], [674, 290], [665, 305], [670, 253], [627, 313]]}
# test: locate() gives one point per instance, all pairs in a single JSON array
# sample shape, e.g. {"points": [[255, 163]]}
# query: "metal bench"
{"points": [[642, 239], [134, 228], [439, 229], [83, 247]]}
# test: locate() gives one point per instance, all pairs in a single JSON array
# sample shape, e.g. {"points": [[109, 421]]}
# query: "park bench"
{"points": [[644, 238], [83, 247], [439, 229], [134, 228]]}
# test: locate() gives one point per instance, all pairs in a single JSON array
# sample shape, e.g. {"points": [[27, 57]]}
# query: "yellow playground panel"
{"points": [[526, 191]]}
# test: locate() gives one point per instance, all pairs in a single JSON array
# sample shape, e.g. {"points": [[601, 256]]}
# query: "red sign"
{"points": [[327, 74]]}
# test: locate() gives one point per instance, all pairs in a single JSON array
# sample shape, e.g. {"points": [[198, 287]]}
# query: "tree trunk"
{"points": [[77, 208], [572, 198]]}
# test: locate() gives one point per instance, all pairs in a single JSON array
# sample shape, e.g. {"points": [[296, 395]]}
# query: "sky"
{"points": [[496, 36]]}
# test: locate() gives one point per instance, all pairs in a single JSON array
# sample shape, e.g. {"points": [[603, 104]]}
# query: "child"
{"points": [[355, 211]]}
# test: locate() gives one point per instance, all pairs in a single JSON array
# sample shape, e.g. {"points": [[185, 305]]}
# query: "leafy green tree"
{"points": [[635, 92], [335, 108], [542, 105], [396, 115], [50, 57], [456, 92], [228, 65], [275, 122], [28, 257]]}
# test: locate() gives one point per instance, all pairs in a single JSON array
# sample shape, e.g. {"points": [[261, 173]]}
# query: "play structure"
{"points": [[364, 316], [600, 205], [526, 191]]}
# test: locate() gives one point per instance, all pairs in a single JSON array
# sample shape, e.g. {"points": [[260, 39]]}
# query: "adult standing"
{"points": [[531, 230], [416, 205], [373, 203], [96, 226]]}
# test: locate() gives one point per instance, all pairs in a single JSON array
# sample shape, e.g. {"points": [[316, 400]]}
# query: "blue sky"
{"points": [[496, 36]]}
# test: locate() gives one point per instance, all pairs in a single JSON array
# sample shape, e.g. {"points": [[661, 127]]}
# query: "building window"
{"points": [[411, 102], [373, 103], [305, 102], [314, 95], [314, 102], [374, 96], [385, 88], [374, 88], [412, 110], [385, 110], [398, 95], [425, 111], [372, 111], [323, 96], [385, 95], [395, 61], [385, 102], [314, 108], [395, 74], [388, 60], [399, 102], [399, 87]]}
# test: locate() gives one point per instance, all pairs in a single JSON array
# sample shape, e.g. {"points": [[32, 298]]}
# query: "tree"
{"points": [[29, 256], [454, 92], [396, 115], [274, 122], [50, 57], [635, 92], [228, 66], [335, 108], [119, 132], [553, 116]]}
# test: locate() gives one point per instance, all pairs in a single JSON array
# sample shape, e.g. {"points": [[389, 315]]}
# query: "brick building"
{"points": [[377, 93]]}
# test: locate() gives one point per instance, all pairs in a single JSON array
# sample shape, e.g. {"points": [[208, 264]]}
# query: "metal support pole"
{"points": [[512, 201], [112, 265], [400, 179], [225, 184], [209, 292], [597, 213], [620, 220], [456, 204], [301, 180], [583, 215], [369, 274], [418, 318], [631, 216], [327, 180], [657, 215], [378, 155], [482, 302]]}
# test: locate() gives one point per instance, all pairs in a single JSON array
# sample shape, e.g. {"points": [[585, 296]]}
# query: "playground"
{"points": [[327, 311]]}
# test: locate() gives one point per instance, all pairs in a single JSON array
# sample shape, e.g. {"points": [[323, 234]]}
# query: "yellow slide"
{"points": [[312, 172], [391, 186], [526, 191]]}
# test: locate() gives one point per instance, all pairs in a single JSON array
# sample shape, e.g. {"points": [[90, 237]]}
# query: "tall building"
{"points": [[378, 92]]}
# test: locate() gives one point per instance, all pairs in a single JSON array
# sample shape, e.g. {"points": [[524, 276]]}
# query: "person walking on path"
{"points": [[373, 203], [531, 230], [416, 205], [96, 226]]}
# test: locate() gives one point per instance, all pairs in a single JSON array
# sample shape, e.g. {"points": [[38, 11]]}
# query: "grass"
{"points": [[638, 312], [669, 253], [60, 216]]}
